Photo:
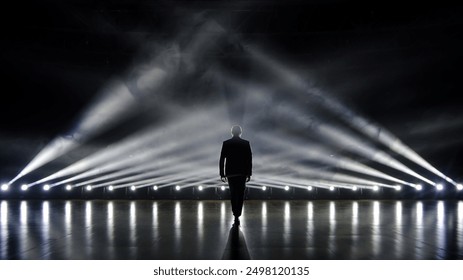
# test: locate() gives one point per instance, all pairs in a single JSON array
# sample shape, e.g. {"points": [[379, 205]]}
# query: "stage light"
{"points": [[132, 188], [222, 188], [46, 187], [309, 188], [155, 188], [354, 188], [68, 187], [286, 188], [111, 188], [24, 187], [89, 188], [375, 188], [264, 188], [418, 187], [5, 187], [331, 188], [439, 187], [397, 188], [177, 187], [459, 187], [200, 188]]}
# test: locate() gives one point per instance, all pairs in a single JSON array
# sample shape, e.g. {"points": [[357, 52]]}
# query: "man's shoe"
{"points": [[237, 221]]}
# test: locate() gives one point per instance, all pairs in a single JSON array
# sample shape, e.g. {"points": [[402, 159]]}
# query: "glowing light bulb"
{"points": [[177, 187], [89, 188], [264, 188], [286, 188], [24, 187], [309, 188], [222, 188], [155, 188], [46, 187], [68, 187], [439, 187]]}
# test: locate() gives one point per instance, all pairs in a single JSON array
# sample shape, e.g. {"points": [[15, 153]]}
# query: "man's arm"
{"points": [[222, 163], [249, 162]]}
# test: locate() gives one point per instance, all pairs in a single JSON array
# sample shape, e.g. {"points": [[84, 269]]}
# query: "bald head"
{"points": [[236, 131]]}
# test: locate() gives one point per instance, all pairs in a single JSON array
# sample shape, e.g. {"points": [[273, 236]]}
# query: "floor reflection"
{"points": [[45, 227], [264, 218], [4, 238], [460, 226], [398, 237], [88, 228], [200, 227], [110, 227], [133, 230], [201, 230], [441, 226], [310, 224], [419, 230], [355, 230], [24, 228], [236, 248]]}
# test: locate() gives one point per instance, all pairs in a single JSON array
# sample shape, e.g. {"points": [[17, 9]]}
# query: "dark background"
{"points": [[396, 64]]}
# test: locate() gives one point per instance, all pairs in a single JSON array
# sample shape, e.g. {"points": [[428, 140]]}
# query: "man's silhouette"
{"points": [[236, 157]]}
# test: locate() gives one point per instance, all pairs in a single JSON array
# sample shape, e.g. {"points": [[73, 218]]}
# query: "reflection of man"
{"points": [[237, 157]]}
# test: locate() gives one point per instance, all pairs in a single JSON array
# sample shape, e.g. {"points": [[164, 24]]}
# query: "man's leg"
{"points": [[237, 188], [232, 184], [240, 188]]}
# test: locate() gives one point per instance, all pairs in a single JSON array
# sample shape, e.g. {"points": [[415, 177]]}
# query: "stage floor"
{"points": [[192, 229]]}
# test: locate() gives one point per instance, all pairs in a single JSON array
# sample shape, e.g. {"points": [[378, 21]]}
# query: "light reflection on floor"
{"points": [[201, 230]]}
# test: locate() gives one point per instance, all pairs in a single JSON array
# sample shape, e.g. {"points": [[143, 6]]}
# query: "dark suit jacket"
{"points": [[237, 157]]}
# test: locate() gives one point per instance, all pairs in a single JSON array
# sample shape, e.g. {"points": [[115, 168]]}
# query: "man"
{"points": [[236, 157]]}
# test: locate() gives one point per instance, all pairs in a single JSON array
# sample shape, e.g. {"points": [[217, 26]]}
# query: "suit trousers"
{"points": [[237, 185]]}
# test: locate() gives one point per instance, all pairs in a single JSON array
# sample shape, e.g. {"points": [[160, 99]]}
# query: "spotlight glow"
{"points": [[155, 188], [286, 188], [46, 187], [111, 188], [418, 187], [5, 187], [200, 188], [24, 187], [354, 188], [222, 188], [132, 188], [89, 188], [177, 188], [439, 187], [309, 188], [375, 188], [331, 188], [459, 187], [68, 187], [264, 188], [398, 188], [355, 120]]}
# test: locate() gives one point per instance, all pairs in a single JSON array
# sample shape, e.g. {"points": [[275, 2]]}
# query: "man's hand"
{"points": [[223, 178], [248, 178]]}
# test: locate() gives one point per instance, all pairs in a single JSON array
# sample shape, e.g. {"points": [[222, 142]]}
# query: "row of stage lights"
{"points": [[418, 187]]}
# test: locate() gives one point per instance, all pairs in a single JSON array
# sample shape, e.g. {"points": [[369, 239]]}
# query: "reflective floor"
{"points": [[203, 230]]}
